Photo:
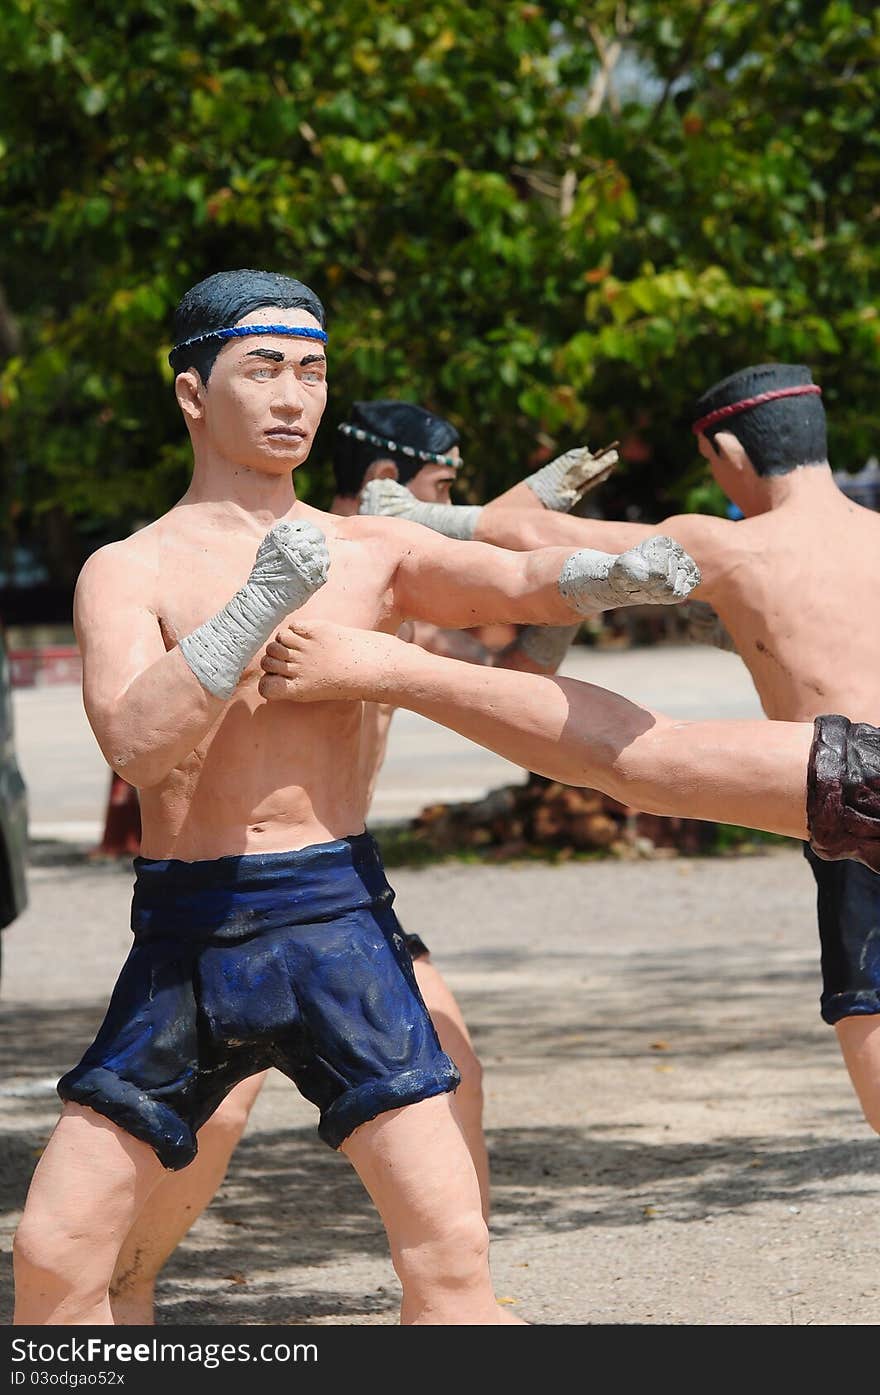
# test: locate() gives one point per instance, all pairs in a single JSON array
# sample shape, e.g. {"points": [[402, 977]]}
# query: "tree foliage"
{"points": [[550, 222]]}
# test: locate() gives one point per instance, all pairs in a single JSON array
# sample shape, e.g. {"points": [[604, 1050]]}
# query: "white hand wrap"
{"points": [[546, 645], [657, 571], [393, 500], [290, 566], [564, 481]]}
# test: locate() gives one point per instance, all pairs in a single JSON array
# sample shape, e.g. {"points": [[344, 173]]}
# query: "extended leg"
{"points": [[752, 773]]}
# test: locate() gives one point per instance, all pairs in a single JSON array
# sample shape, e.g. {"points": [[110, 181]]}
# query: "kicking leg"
{"points": [[87, 1188], [752, 773], [174, 1206]]}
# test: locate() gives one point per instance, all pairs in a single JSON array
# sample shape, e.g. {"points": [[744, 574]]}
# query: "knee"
{"points": [[453, 1256], [47, 1255]]}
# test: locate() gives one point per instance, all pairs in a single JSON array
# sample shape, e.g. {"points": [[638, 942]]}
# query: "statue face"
{"points": [[266, 395], [433, 482]]}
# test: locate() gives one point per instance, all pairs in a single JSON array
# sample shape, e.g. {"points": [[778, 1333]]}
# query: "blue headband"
{"points": [[239, 331]]}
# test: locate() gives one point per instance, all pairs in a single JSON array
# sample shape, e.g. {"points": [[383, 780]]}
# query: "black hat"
{"points": [[404, 432]]}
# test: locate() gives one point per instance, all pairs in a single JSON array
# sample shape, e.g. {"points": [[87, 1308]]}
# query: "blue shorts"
{"points": [[848, 904], [294, 960]]}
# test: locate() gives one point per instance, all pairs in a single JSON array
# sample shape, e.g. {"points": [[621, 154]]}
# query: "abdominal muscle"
{"points": [[270, 777]]}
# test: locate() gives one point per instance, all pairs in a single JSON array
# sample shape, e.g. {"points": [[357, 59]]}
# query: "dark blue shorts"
{"points": [[294, 960], [848, 903]]}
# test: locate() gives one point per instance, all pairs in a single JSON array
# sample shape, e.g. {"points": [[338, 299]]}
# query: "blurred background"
{"points": [[551, 223]]}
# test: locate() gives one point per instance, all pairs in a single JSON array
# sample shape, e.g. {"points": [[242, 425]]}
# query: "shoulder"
{"points": [[702, 528], [708, 539], [714, 543], [122, 565], [397, 534]]}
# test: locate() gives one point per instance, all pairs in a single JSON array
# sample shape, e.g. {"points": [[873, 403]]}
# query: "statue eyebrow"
{"points": [[274, 354]]}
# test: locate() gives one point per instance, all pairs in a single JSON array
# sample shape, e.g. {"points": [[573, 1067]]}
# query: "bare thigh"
{"points": [[93, 1177]]}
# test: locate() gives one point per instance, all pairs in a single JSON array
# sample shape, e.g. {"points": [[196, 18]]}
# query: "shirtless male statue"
{"points": [[403, 441], [264, 933], [791, 583]]}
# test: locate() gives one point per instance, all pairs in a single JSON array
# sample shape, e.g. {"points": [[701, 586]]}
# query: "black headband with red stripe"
{"points": [[800, 390]]}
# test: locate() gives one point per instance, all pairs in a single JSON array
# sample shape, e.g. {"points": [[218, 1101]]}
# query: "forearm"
{"points": [[521, 530], [158, 720]]}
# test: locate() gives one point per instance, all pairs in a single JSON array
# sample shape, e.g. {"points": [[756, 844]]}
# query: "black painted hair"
{"points": [[402, 422], [777, 436], [223, 299]]}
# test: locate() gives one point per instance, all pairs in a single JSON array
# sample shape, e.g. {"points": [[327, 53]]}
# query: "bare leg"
{"points": [[174, 1206], [467, 1102], [859, 1039], [181, 1197], [752, 773], [88, 1186], [415, 1165]]}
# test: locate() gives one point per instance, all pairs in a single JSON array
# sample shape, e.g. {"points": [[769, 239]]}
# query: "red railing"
{"points": [[46, 665]]}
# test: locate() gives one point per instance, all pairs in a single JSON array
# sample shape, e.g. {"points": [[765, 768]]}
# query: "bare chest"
{"points": [[197, 580]]}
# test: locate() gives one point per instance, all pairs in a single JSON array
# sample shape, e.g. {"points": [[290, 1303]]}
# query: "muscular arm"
{"points": [[524, 529], [144, 704], [148, 708], [707, 539], [458, 585]]}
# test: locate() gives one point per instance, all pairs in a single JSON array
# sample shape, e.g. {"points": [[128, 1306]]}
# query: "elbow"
{"points": [[139, 768], [141, 771]]}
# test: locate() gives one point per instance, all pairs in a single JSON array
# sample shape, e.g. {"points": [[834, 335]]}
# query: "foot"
{"points": [[322, 662]]}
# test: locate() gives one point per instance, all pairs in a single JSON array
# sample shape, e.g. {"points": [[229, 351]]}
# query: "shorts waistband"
{"points": [[234, 897]]}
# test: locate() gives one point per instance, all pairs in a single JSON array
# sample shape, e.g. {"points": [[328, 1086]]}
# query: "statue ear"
{"points": [[731, 450], [190, 393], [381, 470]]}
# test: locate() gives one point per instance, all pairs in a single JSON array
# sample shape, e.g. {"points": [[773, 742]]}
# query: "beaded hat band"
{"points": [[429, 456]]}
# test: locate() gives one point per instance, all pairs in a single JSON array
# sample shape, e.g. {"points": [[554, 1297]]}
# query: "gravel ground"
{"points": [[674, 1140]]}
